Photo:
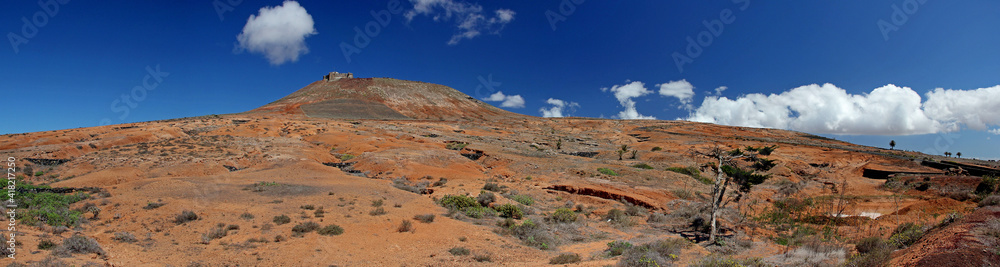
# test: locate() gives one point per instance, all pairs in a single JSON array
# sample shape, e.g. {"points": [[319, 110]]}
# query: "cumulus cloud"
{"points": [[887, 110], [682, 90], [976, 109], [995, 131], [278, 33], [558, 107], [470, 19], [509, 101], [625, 94]]}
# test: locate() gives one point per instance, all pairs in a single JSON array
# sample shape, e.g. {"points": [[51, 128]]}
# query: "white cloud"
{"points": [[720, 89], [976, 109], [558, 106], [278, 32], [509, 101], [682, 90], [887, 110], [469, 19], [625, 94]]}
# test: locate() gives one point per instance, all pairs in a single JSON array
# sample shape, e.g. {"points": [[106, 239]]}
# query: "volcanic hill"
{"points": [[383, 172], [382, 98]]}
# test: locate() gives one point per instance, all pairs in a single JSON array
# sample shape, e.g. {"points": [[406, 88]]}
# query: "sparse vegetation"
{"points": [[482, 258], [720, 261], [992, 200], [378, 211], [153, 205], [453, 145], [565, 258], [377, 203], [563, 215], [78, 244], [405, 226], [618, 218], [616, 248], [459, 251], [523, 199], [480, 212], [424, 218], [693, 172], [485, 198], [185, 216], [643, 166], [532, 233], [510, 211], [281, 219], [46, 244], [906, 234], [656, 148], [607, 171], [47, 207], [304, 228], [658, 253], [492, 187], [125, 237], [332, 229], [457, 202]]}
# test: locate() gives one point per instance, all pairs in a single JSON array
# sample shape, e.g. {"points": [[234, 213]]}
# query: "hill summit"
{"points": [[341, 96]]}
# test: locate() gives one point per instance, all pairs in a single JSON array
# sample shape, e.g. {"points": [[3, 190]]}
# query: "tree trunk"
{"points": [[718, 193]]}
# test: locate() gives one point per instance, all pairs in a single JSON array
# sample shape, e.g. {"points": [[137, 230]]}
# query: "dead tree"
{"points": [[727, 172]]}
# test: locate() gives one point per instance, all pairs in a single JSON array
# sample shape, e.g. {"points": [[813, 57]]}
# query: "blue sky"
{"points": [[822, 67]]}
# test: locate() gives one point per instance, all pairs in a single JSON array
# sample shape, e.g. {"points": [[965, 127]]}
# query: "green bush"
{"points": [[906, 234], [46, 244], [47, 207], [607, 171], [658, 253], [643, 166], [563, 215], [510, 211], [616, 248], [656, 148], [457, 202], [378, 211], [332, 229], [282, 219], [566, 258], [524, 199], [305, 227]]}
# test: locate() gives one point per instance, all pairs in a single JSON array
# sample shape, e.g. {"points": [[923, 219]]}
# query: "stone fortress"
{"points": [[333, 76]]}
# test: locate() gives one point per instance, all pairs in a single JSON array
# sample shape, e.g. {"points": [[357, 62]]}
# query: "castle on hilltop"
{"points": [[333, 76]]}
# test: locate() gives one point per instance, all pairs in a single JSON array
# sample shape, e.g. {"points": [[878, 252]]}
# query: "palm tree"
{"points": [[947, 154], [959, 154], [892, 144]]}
